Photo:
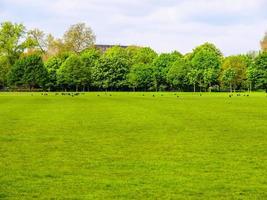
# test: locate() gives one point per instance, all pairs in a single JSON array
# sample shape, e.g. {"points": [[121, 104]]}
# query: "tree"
{"points": [[252, 77], [53, 64], [228, 77], [141, 77], [234, 69], [206, 60], [55, 46], [177, 74], [161, 65], [39, 39], [112, 69], [13, 41], [78, 38], [260, 72], [73, 73], [29, 71], [141, 74], [193, 77], [16, 73], [4, 69], [90, 59], [144, 55]]}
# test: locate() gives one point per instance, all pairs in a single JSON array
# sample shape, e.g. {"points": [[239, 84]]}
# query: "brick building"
{"points": [[104, 47]]}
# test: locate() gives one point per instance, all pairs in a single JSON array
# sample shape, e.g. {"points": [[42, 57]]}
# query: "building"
{"points": [[104, 47]]}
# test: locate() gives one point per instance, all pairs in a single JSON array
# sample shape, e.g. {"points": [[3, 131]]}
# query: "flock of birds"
{"points": [[73, 94]]}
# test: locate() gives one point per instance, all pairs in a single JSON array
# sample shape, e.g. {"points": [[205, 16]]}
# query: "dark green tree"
{"points": [[29, 71], [260, 72], [4, 69]]}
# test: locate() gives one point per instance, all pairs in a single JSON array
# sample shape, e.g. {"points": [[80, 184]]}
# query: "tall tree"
{"points": [[234, 71], [39, 39], [228, 77], [78, 37], [144, 55], [13, 41], [112, 69], [206, 60], [161, 65], [53, 64], [141, 77], [177, 75], [4, 69], [29, 71], [261, 71], [90, 59], [72, 73]]}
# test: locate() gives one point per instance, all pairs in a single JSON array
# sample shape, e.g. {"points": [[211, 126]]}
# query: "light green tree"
{"points": [[161, 65], [72, 73], [177, 75], [238, 65], [13, 41], [206, 60]]}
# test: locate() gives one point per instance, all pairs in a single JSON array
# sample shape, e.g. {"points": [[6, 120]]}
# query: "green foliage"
{"points": [[73, 73], [120, 68], [144, 56], [90, 59], [141, 77], [52, 65], [28, 71], [260, 71], [177, 75], [206, 60], [234, 71], [228, 77], [112, 69], [13, 41], [4, 69], [161, 65]]}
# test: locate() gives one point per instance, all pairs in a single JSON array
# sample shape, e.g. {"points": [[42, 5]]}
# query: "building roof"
{"points": [[104, 47]]}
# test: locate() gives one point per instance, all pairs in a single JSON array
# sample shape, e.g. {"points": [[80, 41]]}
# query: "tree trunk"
{"points": [[194, 87]]}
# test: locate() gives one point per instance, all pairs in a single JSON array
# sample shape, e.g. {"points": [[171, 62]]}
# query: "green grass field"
{"points": [[130, 146]]}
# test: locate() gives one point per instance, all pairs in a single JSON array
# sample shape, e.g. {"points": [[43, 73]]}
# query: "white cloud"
{"points": [[235, 26]]}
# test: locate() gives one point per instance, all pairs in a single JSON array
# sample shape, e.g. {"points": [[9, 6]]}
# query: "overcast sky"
{"points": [[235, 26]]}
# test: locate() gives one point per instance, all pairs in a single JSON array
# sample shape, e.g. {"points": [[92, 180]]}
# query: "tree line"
{"points": [[34, 60]]}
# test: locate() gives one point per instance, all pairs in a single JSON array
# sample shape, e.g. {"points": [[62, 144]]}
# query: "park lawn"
{"points": [[133, 146]]}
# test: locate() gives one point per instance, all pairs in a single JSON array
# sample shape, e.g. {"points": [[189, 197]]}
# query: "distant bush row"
{"points": [[73, 63]]}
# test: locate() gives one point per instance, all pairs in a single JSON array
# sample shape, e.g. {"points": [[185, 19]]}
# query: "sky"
{"points": [[234, 26]]}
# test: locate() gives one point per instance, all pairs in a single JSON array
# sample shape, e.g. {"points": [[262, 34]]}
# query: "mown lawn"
{"points": [[130, 146]]}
